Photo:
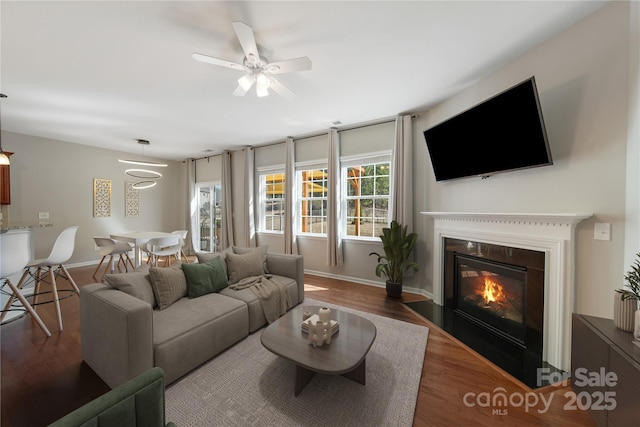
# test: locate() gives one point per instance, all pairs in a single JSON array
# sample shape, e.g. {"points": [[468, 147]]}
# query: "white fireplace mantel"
{"points": [[553, 234]]}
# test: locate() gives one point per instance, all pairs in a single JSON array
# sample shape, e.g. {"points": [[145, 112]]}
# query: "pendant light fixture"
{"points": [[4, 158], [143, 184], [143, 142], [148, 176]]}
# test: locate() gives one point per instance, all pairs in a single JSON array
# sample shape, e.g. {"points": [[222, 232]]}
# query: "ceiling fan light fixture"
{"points": [[252, 60], [263, 81], [245, 82], [259, 69]]}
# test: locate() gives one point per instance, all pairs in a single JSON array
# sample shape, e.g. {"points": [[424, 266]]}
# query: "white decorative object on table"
{"points": [[319, 333], [324, 314], [319, 327]]}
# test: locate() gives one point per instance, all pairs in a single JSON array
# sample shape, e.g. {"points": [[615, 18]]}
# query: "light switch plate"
{"points": [[602, 231], [43, 215]]}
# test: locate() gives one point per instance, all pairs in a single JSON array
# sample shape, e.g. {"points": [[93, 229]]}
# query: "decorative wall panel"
{"points": [[101, 197], [131, 200]]}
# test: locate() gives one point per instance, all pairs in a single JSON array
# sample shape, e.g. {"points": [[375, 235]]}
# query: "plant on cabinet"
{"points": [[630, 296]]}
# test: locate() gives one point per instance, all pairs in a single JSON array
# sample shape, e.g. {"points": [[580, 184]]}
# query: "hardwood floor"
{"points": [[45, 378]]}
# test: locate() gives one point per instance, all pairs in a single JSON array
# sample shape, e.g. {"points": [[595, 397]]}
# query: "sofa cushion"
{"points": [[256, 313], [192, 331], [136, 283], [239, 250], [247, 265], [205, 278], [168, 283]]}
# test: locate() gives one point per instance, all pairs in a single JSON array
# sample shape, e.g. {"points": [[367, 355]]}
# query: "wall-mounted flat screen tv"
{"points": [[503, 133]]}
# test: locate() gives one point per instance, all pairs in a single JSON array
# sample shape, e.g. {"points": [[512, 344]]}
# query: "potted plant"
{"points": [[626, 304], [397, 245]]}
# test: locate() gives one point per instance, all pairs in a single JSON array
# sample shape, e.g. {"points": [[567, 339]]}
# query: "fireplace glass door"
{"points": [[492, 294]]}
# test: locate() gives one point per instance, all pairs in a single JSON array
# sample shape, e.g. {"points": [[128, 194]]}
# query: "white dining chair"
{"points": [[54, 264], [112, 248], [183, 238], [15, 249], [166, 246]]}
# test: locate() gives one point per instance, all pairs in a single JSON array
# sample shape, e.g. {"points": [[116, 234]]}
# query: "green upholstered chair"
{"points": [[138, 402]]}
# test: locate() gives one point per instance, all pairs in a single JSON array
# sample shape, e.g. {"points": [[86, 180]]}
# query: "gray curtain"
{"points": [[249, 199], [192, 225], [402, 163], [227, 203], [334, 241], [290, 199]]}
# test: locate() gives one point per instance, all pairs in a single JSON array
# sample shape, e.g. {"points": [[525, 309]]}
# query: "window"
{"points": [[366, 194], [272, 190], [209, 216], [313, 201]]}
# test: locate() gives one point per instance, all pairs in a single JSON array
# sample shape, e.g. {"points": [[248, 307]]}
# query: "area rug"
{"points": [[247, 385]]}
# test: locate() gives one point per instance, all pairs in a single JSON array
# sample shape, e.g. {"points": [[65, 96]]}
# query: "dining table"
{"points": [[138, 238]]}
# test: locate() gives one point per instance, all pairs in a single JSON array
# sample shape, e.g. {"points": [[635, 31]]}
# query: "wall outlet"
{"points": [[43, 215], [602, 231]]}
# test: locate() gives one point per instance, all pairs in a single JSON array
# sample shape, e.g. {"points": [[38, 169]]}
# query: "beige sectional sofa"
{"points": [[127, 327]]}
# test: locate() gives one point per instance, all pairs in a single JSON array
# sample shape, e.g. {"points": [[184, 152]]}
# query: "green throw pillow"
{"points": [[205, 278]]}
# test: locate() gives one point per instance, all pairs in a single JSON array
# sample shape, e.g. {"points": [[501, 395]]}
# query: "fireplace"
{"points": [[499, 288], [528, 253], [491, 294]]}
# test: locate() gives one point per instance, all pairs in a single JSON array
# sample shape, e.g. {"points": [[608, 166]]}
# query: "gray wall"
{"points": [[584, 85], [57, 177]]}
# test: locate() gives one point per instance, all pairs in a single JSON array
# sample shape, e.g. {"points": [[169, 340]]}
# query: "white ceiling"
{"points": [[106, 73]]}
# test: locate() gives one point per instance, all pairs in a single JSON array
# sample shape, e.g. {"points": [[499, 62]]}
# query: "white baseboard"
{"points": [[367, 282]]}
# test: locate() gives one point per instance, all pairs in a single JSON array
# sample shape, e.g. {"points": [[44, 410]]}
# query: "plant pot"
{"points": [[624, 312], [394, 290], [636, 331]]}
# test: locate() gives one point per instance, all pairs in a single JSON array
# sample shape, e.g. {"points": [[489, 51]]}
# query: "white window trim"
{"points": [[304, 166], [349, 161], [263, 171]]}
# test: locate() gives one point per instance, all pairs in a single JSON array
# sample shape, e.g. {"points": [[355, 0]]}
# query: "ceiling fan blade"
{"points": [[247, 40], [239, 91], [217, 61], [281, 89], [289, 65]]}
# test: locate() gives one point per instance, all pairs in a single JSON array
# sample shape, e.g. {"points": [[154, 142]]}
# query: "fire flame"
{"points": [[492, 291]]}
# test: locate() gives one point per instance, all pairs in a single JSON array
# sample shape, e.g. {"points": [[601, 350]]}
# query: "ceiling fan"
{"points": [[259, 71]]}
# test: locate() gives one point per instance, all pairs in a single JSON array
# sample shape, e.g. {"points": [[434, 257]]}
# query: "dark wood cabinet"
{"points": [[599, 349]]}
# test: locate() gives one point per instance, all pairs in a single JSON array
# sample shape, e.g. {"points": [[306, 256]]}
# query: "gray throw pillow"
{"points": [[205, 278], [168, 283], [204, 257], [263, 250], [137, 284], [247, 265]]}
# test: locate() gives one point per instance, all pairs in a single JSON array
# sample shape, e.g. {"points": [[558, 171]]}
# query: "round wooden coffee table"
{"points": [[345, 355]]}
